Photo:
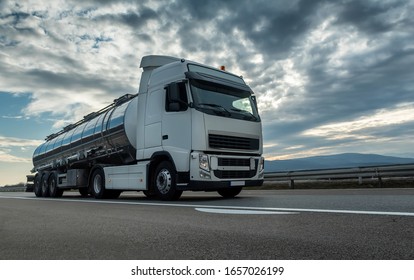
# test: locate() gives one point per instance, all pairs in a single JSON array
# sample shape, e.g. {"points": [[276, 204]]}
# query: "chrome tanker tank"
{"points": [[106, 136]]}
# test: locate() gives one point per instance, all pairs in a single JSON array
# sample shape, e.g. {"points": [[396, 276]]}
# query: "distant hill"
{"points": [[333, 161]]}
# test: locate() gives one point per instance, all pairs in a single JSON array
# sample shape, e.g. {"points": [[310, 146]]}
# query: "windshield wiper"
{"points": [[222, 109], [247, 114]]}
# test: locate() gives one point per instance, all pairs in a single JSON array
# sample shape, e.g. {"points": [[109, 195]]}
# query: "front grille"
{"points": [[234, 162], [231, 142], [231, 174]]}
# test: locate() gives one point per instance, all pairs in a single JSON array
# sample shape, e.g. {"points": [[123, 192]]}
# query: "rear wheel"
{"points": [[229, 193], [164, 182], [37, 188], [45, 185], [98, 184], [54, 191]]}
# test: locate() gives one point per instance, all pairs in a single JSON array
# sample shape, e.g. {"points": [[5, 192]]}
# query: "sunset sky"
{"points": [[330, 76]]}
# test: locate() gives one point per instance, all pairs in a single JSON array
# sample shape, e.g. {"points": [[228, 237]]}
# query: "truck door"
{"points": [[176, 125]]}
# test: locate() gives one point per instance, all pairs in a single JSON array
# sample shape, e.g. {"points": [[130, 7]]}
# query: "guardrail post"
{"points": [[291, 184], [379, 182], [379, 178]]}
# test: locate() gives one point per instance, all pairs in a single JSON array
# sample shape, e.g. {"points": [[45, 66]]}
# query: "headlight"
{"points": [[204, 162], [261, 165]]}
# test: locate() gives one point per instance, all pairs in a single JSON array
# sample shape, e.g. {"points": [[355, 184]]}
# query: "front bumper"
{"points": [[216, 185], [214, 172]]}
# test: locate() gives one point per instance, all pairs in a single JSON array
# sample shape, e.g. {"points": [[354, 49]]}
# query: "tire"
{"points": [[98, 184], [44, 182], [164, 182], [54, 191], [229, 193], [37, 188]]}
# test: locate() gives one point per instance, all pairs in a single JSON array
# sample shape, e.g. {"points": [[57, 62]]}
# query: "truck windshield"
{"points": [[221, 100]]}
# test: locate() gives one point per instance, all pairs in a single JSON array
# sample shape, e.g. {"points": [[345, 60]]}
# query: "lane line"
{"points": [[242, 211], [331, 211]]}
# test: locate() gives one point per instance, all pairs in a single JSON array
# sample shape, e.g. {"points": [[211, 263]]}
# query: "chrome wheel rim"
{"points": [[163, 181], [97, 184]]}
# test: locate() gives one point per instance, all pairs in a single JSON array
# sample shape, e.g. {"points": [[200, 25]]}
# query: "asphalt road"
{"points": [[271, 224]]}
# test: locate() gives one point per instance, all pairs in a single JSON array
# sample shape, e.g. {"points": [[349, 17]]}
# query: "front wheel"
{"points": [[229, 193], [165, 182]]}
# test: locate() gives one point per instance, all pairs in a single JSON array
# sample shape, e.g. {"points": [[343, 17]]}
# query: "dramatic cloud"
{"points": [[8, 145], [8, 142], [5, 156], [331, 76]]}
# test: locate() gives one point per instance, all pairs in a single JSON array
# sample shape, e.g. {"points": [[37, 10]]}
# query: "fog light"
{"points": [[205, 174]]}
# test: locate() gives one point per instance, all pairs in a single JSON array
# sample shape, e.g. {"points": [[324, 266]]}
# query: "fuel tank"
{"points": [[107, 136]]}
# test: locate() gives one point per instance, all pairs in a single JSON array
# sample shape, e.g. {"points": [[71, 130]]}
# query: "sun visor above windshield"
{"points": [[216, 80]]}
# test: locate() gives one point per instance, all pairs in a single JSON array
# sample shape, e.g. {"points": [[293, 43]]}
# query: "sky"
{"points": [[330, 76]]}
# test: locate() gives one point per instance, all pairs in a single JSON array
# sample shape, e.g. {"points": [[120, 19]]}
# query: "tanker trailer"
{"points": [[66, 158], [190, 127]]}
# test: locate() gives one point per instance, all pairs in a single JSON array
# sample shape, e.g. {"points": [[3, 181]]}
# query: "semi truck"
{"points": [[190, 127]]}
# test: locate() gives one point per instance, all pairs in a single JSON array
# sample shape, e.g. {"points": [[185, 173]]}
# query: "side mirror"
{"points": [[173, 92], [254, 100]]}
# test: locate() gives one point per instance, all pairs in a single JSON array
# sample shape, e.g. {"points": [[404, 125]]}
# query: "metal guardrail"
{"points": [[13, 189], [372, 172]]}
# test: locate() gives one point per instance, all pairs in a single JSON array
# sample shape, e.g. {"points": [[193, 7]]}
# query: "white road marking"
{"points": [[332, 211], [241, 211]]}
